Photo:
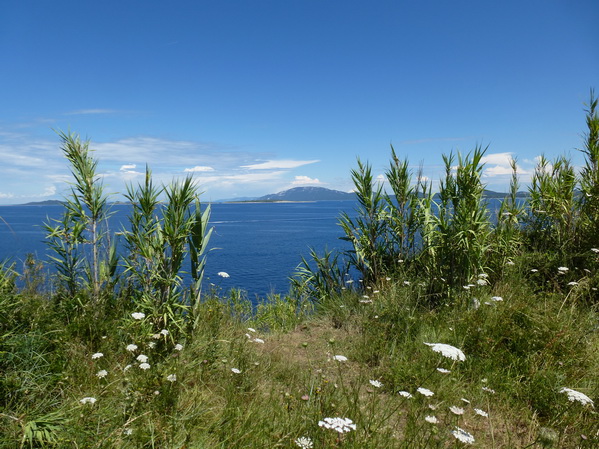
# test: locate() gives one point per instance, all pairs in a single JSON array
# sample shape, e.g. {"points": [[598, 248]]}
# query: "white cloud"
{"points": [[128, 167], [198, 168], [305, 180], [282, 164], [502, 159], [6, 195]]}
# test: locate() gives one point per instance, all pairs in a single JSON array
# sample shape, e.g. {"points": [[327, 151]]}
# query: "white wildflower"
{"points": [[152, 345], [236, 371], [178, 347], [488, 390], [223, 274], [97, 355], [340, 425], [465, 400], [431, 419], [509, 262], [481, 282], [340, 358], [496, 298], [164, 332], [142, 358], [456, 410], [481, 412], [258, 340], [463, 436], [88, 400], [425, 391], [483, 275], [443, 370], [573, 283], [595, 250], [574, 396], [405, 394], [138, 315], [127, 368], [563, 270], [127, 431], [534, 270], [131, 348], [251, 329], [448, 351], [102, 374], [406, 282], [171, 377], [376, 383], [144, 366], [304, 442]]}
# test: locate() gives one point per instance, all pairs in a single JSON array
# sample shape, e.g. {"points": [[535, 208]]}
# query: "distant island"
{"points": [[299, 194]]}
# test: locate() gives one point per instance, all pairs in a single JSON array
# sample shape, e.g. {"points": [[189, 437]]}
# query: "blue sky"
{"points": [[254, 97]]}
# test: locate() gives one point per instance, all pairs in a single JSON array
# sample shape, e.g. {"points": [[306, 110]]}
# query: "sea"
{"points": [[259, 245]]}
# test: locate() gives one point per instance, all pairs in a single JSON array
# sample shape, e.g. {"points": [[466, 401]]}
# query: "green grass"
{"points": [[524, 349]]}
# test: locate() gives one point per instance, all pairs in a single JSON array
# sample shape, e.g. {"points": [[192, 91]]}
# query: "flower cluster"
{"points": [[451, 352], [340, 425]]}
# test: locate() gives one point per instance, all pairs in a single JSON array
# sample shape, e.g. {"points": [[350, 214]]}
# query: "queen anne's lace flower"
{"points": [[340, 358], [577, 396], [340, 425], [463, 436], [171, 377], [236, 371], [102, 373], [405, 394], [97, 355], [481, 412], [304, 443], [425, 391], [376, 383], [443, 370], [131, 348], [456, 410], [178, 347], [451, 352], [142, 358], [144, 366], [88, 400], [431, 419], [138, 315]]}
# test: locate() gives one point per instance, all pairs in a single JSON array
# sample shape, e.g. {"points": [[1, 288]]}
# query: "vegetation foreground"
{"points": [[458, 326]]}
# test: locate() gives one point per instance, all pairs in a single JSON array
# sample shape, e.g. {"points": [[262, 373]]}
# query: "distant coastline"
{"points": [[295, 195]]}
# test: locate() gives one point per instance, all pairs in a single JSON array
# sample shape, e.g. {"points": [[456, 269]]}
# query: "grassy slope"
{"points": [[524, 348]]}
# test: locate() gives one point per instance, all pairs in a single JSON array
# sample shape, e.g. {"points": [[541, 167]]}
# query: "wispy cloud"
{"points": [[273, 164], [198, 168]]}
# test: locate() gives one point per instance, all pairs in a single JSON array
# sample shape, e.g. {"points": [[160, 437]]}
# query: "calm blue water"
{"points": [[259, 244]]}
